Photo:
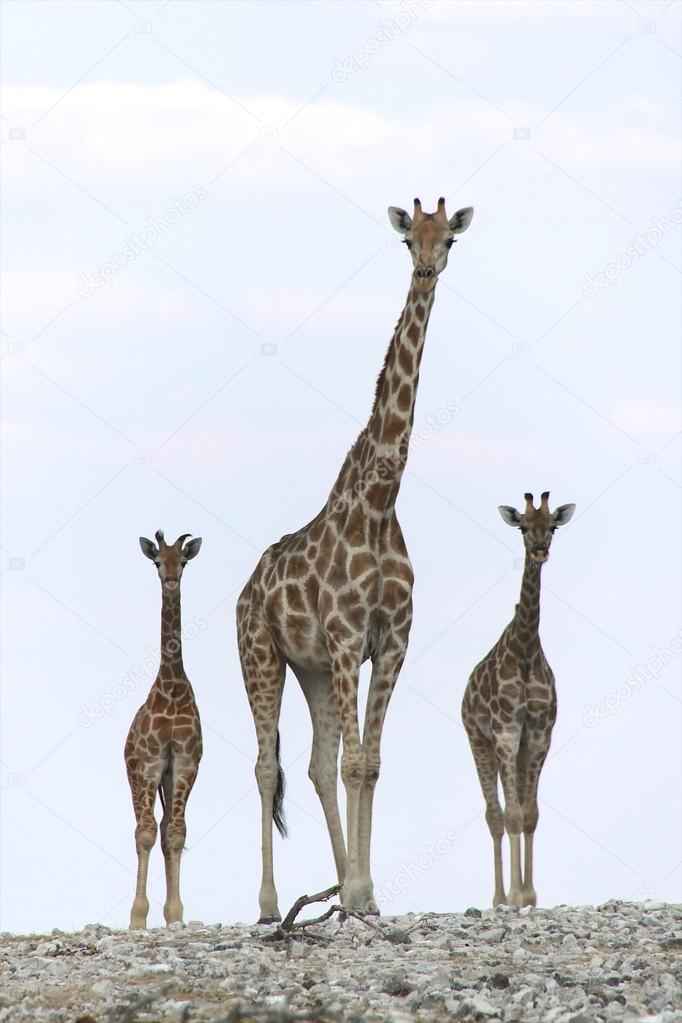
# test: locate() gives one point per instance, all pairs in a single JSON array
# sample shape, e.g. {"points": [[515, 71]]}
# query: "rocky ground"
{"points": [[618, 961]]}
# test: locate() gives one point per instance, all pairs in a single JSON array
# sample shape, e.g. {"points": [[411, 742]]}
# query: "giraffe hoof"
{"points": [[529, 898], [138, 924], [276, 919]]}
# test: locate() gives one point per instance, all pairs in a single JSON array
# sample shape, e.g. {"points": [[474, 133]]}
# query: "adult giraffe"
{"points": [[339, 591]]}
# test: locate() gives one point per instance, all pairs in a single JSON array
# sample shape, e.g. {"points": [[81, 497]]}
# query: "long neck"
{"points": [[375, 464], [525, 626], [171, 633]]}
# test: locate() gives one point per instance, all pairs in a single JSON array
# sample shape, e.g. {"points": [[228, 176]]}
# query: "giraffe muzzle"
{"points": [[425, 278], [540, 553]]}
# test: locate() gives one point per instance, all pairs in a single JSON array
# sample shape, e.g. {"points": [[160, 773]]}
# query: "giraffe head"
{"points": [[537, 524], [170, 559], [429, 237]]}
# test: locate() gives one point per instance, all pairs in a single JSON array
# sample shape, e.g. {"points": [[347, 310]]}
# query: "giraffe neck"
{"points": [[375, 464], [171, 635], [526, 622]]}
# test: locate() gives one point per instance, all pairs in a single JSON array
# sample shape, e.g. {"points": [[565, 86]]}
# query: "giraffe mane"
{"points": [[382, 372]]}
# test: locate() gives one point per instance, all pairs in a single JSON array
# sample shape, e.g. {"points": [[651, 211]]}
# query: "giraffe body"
{"points": [[164, 745], [338, 591], [509, 710]]}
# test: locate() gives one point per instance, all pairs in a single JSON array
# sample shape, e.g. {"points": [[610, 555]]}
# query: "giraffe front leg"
{"points": [[486, 766], [145, 837], [506, 751], [385, 670], [177, 785], [537, 754]]}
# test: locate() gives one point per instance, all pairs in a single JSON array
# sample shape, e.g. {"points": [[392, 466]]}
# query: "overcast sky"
{"points": [[200, 283]]}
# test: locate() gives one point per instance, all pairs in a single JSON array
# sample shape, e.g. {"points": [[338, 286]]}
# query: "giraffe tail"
{"points": [[278, 801]]}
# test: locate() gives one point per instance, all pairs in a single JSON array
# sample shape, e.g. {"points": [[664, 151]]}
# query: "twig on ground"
{"points": [[288, 924]]}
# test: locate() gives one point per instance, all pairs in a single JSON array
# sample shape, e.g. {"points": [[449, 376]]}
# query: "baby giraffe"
{"points": [[509, 709], [163, 748]]}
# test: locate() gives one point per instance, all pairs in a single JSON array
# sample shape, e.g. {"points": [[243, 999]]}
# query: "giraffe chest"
{"points": [[355, 608]]}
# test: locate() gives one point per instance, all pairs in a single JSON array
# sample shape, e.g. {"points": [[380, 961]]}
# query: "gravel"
{"points": [[618, 961]]}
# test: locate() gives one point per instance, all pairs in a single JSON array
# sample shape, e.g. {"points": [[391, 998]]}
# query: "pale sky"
{"points": [[200, 282]]}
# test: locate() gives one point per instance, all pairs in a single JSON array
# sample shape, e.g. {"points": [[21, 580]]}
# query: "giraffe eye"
{"points": [[450, 242], [406, 241]]}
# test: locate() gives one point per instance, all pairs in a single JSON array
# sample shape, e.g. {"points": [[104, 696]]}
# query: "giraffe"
{"points": [[338, 591], [509, 709], [163, 748]]}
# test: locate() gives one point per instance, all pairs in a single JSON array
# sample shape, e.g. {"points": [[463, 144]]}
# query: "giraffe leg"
{"points": [[145, 790], [177, 785], [536, 755], [385, 669], [345, 673], [506, 750], [486, 766], [263, 670], [323, 770]]}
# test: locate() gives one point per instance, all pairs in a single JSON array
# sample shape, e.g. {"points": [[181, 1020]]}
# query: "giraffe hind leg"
{"points": [[263, 669], [323, 769]]}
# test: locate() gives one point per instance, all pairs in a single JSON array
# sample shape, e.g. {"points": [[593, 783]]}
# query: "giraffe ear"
{"points": [[461, 220], [563, 514], [510, 515], [191, 549], [149, 549], [401, 221]]}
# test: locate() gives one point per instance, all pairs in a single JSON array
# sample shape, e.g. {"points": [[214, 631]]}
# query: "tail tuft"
{"points": [[278, 801]]}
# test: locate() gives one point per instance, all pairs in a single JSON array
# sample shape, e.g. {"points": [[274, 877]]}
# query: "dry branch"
{"points": [[288, 923]]}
